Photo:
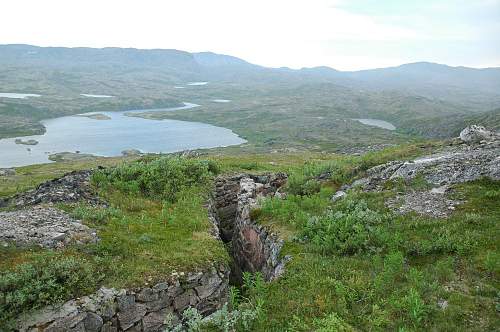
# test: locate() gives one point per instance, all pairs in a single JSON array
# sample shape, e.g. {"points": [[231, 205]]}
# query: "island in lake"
{"points": [[95, 116], [27, 142], [71, 156]]}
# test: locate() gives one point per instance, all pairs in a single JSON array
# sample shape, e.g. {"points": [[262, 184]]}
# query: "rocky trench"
{"points": [[252, 248]]}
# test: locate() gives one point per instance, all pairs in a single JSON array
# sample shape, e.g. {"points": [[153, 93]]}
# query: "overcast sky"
{"points": [[343, 34]]}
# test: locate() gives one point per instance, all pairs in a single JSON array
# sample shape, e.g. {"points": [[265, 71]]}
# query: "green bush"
{"points": [[162, 178], [239, 315], [42, 282], [97, 215], [331, 323], [345, 231], [305, 181]]}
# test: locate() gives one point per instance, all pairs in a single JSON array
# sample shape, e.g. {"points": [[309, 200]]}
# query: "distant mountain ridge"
{"points": [[436, 90], [477, 89]]}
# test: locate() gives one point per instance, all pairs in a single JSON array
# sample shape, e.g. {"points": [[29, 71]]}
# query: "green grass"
{"points": [[406, 267], [355, 266], [145, 235], [28, 177]]}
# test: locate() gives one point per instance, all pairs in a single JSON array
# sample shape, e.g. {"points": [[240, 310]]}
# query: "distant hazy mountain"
{"points": [[427, 74], [26, 55], [214, 60], [137, 73], [467, 86], [478, 89]]}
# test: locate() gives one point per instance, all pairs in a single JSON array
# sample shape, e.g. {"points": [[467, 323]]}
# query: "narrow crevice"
{"points": [[253, 248]]}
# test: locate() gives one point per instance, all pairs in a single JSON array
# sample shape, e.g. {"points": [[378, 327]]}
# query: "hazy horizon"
{"points": [[277, 67], [345, 35]]}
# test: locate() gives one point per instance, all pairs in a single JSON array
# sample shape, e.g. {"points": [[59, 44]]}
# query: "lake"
{"points": [[110, 137], [377, 123], [197, 83], [17, 95], [95, 96]]}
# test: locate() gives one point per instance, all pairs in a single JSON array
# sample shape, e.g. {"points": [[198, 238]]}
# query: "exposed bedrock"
{"points": [[476, 154], [144, 309], [43, 226], [72, 187], [253, 247]]}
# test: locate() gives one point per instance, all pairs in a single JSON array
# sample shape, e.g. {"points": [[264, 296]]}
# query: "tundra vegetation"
{"points": [[356, 264]]}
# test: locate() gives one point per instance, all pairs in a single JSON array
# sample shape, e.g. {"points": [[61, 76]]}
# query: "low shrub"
{"points": [[42, 282], [97, 215], [162, 178], [347, 230], [332, 322]]}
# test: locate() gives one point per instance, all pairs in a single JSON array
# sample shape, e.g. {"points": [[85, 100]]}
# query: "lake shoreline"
{"points": [[90, 135]]}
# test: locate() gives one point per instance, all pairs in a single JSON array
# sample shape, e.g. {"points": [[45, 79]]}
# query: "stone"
{"points": [[452, 164], [125, 302], [46, 227], [253, 247], [436, 205], [135, 328], [338, 195], [47, 315], [443, 304], [147, 295], [439, 190], [154, 321], [161, 286], [161, 303], [108, 327], [184, 300], [208, 285], [72, 187], [280, 195], [92, 322], [476, 134], [174, 290], [7, 171], [69, 323], [193, 278], [131, 315]]}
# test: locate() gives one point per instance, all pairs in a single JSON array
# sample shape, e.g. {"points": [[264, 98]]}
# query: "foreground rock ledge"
{"points": [[139, 309]]}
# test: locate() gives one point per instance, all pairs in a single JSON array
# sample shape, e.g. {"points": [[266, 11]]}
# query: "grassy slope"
{"points": [[451, 126], [393, 284], [411, 264]]}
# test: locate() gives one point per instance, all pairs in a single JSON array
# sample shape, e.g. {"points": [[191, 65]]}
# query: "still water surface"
{"points": [[111, 137]]}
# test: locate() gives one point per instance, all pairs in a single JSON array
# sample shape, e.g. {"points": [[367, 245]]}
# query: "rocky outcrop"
{"points": [[433, 203], [476, 134], [42, 226], [144, 309], [477, 155], [7, 171], [72, 187], [456, 164], [253, 247]]}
